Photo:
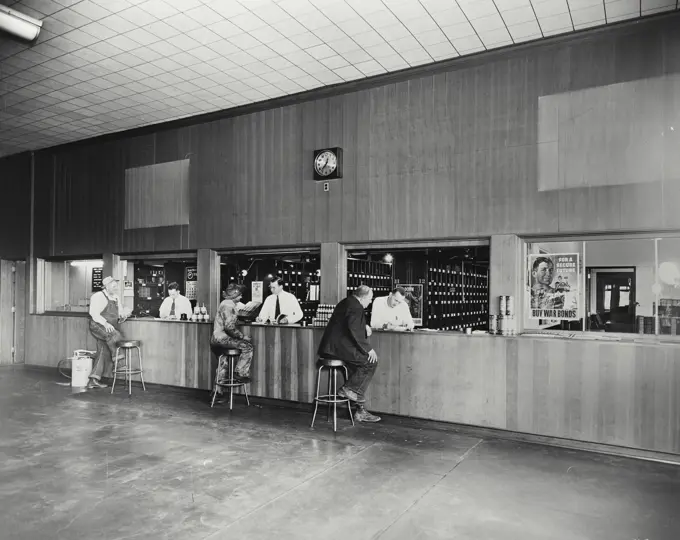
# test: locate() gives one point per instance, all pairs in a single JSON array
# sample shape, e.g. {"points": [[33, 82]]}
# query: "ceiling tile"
{"points": [[524, 31], [158, 8], [549, 8], [519, 15]]}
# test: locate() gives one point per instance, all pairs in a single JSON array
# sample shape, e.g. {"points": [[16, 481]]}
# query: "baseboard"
{"points": [[424, 423]]}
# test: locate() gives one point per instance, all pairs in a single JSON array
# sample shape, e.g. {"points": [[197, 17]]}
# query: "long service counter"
{"points": [[623, 394]]}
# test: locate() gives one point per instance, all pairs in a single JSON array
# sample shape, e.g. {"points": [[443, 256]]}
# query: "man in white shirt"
{"points": [[280, 307], [392, 312], [175, 304], [106, 314]]}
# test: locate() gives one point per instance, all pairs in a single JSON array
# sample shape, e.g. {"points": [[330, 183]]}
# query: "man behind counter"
{"points": [[392, 312], [280, 307], [175, 305]]}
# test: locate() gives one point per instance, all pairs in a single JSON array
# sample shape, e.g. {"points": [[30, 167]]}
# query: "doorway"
{"points": [[613, 295]]}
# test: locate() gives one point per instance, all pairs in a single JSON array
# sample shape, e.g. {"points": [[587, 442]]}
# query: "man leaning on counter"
{"points": [[392, 312], [175, 305], [280, 307]]}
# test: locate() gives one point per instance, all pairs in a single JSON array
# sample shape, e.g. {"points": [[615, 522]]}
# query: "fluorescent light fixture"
{"points": [[92, 263], [18, 24]]}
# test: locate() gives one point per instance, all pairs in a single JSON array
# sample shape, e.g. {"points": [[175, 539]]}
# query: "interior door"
{"points": [[615, 300]]}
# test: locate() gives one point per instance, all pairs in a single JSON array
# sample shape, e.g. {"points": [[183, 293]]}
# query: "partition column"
{"points": [[208, 280], [506, 273], [111, 267], [333, 273]]}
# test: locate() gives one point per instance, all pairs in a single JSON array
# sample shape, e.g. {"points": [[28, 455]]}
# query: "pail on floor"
{"points": [[81, 366]]}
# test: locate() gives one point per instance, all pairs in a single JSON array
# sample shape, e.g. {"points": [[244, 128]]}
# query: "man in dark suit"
{"points": [[346, 338]]}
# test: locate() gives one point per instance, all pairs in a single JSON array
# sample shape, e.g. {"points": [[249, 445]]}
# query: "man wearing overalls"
{"points": [[105, 318]]}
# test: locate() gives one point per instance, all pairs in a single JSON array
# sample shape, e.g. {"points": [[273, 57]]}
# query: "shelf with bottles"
{"points": [[301, 283], [309, 309], [149, 290], [323, 314]]}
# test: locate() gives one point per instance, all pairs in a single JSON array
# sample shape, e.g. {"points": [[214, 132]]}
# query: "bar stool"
{"points": [[128, 346], [231, 356], [334, 365]]}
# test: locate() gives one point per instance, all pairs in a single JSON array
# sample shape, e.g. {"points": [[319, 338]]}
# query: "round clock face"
{"points": [[325, 163]]}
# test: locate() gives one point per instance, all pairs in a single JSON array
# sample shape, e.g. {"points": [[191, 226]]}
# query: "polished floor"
{"points": [[163, 465]]}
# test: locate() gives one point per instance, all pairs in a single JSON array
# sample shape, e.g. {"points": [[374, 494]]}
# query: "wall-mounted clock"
{"points": [[328, 164]]}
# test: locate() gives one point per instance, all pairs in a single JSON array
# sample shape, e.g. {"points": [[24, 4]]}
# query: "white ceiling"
{"points": [[101, 66]]}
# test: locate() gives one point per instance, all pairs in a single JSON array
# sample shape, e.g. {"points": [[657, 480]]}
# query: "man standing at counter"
{"points": [[346, 338], [392, 312], [175, 305], [105, 318], [227, 336], [280, 307]]}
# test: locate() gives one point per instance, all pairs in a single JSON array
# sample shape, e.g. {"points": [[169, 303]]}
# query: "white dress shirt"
{"points": [[383, 314], [182, 305], [290, 307], [98, 303]]}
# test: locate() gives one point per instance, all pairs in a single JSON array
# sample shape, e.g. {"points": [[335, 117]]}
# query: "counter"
{"points": [[625, 394]]}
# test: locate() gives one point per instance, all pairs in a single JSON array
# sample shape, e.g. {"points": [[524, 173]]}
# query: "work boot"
{"points": [[94, 383], [362, 415]]}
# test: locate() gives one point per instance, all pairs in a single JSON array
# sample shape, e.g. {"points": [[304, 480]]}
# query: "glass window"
{"points": [[145, 283], [68, 285], [622, 285], [300, 270], [445, 288]]}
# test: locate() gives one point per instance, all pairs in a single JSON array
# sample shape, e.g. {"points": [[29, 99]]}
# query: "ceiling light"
{"points": [[18, 24]]}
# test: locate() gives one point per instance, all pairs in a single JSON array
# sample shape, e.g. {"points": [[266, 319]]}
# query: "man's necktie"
{"points": [[278, 308], [172, 309]]}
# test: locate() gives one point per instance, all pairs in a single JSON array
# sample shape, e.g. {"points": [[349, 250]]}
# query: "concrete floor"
{"points": [[164, 466]]}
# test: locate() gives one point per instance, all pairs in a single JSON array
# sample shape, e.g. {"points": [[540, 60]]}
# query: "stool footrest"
{"points": [[231, 383], [330, 398]]}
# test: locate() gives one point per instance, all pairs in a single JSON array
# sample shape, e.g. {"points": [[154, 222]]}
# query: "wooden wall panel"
{"points": [[6, 315], [21, 304], [453, 153], [15, 206]]}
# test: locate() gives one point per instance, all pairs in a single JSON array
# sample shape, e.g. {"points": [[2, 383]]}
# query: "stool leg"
{"points": [[349, 406], [141, 368], [316, 398], [335, 397], [245, 392], [330, 373], [115, 368], [231, 381], [128, 363], [217, 373]]}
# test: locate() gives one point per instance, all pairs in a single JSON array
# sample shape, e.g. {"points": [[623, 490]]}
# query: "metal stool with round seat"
{"points": [[128, 345], [333, 365], [231, 356]]}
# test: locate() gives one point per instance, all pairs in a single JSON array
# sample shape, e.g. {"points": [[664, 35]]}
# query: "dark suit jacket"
{"points": [[345, 336]]}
